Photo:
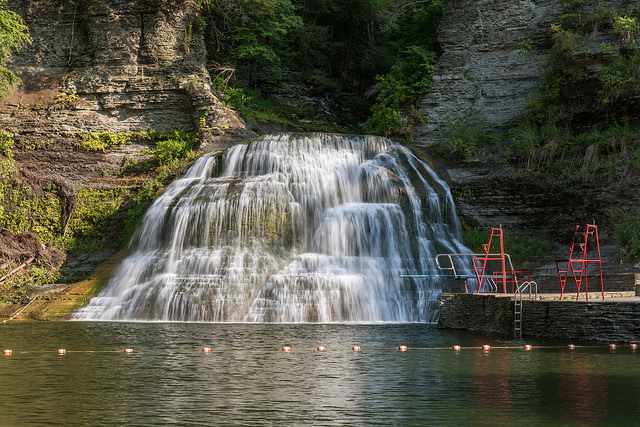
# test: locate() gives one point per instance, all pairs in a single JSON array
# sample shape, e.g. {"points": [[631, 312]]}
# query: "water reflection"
{"points": [[247, 381]]}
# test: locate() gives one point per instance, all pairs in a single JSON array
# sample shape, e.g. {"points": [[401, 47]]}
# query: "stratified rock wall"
{"points": [[110, 65], [103, 65], [488, 69]]}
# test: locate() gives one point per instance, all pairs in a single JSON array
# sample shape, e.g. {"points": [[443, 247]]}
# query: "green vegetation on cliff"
{"points": [[100, 220], [13, 35], [582, 127]]}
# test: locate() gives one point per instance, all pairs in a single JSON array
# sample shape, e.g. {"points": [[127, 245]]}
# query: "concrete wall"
{"points": [[608, 321]]}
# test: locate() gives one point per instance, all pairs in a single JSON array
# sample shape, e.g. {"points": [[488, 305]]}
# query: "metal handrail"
{"points": [[461, 255], [531, 286]]}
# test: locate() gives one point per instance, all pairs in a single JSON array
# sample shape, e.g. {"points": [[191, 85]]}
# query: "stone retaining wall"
{"points": [[596, 321]]}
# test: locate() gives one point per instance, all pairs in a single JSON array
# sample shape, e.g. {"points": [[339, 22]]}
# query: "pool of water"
{"points": [[247, 381]]}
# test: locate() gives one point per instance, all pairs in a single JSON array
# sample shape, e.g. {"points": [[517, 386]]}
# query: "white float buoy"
{"points": [[486, 348], [571, 347], [287, 348], [321, 348], [403, 348], [633, 346], [8, 352], [207, 349], [356, 348], [456, 347], [62, 352], [128, 350], [612, 347], [528, 347]]}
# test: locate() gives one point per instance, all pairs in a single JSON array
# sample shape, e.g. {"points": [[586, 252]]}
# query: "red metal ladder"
{"points": [[584, 252], [480, 263]]}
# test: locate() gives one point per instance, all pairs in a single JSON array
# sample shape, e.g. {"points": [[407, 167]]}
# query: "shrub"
{"points": [[466, 137], [574, 93], [14, 34], [103, 140], [174, 146], [387, 120], [628, 235], [400, 89], [94, 219], [6, 143], [626, 28], [66, 100], [620, 78]]}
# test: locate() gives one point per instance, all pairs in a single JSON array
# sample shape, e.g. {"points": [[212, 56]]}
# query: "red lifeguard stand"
{"points": [[584, 252], [505, 271]]}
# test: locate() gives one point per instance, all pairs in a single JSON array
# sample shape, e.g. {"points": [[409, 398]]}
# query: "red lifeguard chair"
{"points": [[584, 255], [505, 272]]}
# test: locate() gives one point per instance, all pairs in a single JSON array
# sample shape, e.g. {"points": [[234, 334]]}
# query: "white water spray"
{"points": [[290, 228]]}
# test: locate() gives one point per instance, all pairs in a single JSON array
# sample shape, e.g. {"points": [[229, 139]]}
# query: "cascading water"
{"points": [[290, 228]]}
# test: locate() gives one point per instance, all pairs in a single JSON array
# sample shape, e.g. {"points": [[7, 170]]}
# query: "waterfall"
{"points": [[290, 228]]}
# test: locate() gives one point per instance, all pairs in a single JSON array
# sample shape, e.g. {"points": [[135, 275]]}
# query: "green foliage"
{"points": [[66, 100], [573, 94], [7, 164], [14, 34], [174, 145], [142, 199], [254, 106], [328, 49], [627, 29], [6, 143], [202, 118], [7, 169], [253, 34], [635, 158], [578, 125], [565, 41], [599, 153], [95, 213], [102, 219], [387, 120], [465, 138], [104, 140], [628, 235], [23, 210], [620, 78], [166, 146], [403, 86]]}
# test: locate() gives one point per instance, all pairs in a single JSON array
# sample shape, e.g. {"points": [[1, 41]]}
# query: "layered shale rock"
{"points": [[488, 67], [112, 65]]}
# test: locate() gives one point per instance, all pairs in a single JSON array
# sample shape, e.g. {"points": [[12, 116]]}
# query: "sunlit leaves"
{"points": [[14, 34]]}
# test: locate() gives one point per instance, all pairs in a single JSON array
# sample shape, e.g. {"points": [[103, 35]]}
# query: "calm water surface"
{"points": [[246, 381]]}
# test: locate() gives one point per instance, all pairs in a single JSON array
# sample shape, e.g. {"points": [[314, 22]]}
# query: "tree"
{"points": [[14, 34], [253, 34]]}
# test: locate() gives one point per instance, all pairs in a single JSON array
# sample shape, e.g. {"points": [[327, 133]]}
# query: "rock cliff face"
{"points": [[111, 65], [494, 55], [99, 65], [488, 68]]}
